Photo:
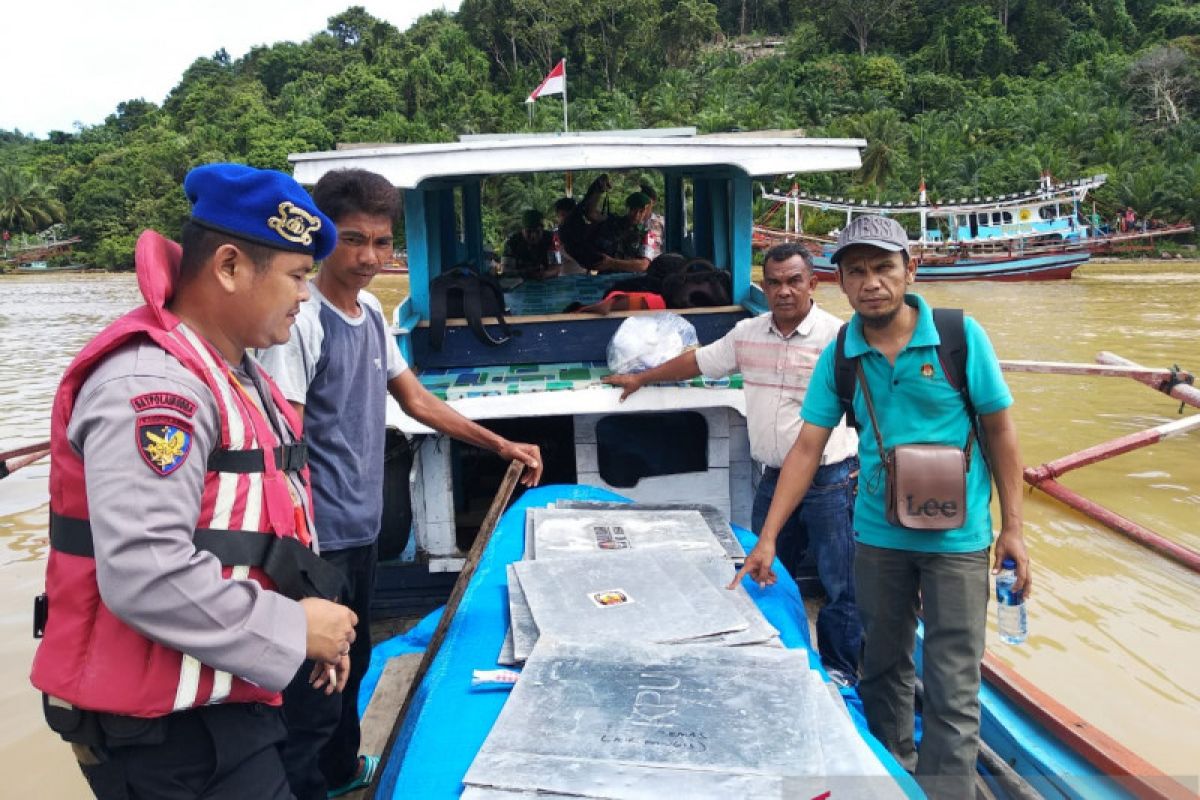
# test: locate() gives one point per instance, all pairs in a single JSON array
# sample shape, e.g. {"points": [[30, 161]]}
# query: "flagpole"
{"points": [[565, 128]]}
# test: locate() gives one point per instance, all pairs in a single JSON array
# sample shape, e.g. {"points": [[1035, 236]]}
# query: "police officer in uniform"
{"points": [[182, 593]]}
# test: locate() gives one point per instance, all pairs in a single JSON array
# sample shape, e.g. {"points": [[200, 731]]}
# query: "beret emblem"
{"points": [[294, 223]]}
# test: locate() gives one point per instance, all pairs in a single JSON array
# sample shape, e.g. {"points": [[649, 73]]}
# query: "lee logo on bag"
{"points": [[932, 507]]}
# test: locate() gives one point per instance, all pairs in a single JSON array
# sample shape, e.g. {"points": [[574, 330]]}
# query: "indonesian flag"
{"points": [[555, 82], [922, 197]]}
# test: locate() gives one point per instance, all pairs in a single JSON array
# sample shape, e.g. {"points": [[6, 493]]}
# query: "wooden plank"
{"points": [[499, 503], [385, 703], [389, 695]]}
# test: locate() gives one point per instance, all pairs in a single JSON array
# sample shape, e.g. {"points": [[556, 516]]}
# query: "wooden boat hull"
{"points": [[1049, 267]]}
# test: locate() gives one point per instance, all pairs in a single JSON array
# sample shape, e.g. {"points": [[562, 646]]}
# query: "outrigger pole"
{"points": [[1174, 383], [13, 460]]}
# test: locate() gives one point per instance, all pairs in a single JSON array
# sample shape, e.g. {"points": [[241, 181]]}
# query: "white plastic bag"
{"points": [[644, 342]]}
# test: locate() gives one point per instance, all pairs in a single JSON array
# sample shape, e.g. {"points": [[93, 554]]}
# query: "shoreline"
{"points": [[1165, 259]]}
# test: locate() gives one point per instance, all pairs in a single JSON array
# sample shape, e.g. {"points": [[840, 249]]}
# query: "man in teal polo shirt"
{"points": [[899, 572]]}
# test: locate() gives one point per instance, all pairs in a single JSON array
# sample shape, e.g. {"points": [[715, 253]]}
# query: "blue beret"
{"points": [[260, 205]]}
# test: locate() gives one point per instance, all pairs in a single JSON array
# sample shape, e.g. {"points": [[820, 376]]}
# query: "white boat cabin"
{"points": [[683, 443]]}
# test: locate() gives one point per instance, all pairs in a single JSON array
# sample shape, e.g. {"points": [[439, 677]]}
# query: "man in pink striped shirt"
{"points": [[776, 353]]}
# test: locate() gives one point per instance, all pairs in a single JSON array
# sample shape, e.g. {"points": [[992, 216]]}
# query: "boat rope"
{"points": [[1176, 378]]}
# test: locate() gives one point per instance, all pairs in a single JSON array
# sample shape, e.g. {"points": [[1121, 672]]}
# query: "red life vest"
{"points": [[89, 657]]}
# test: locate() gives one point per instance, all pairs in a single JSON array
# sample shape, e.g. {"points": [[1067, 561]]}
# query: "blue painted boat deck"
{"points": [[449, 719]]}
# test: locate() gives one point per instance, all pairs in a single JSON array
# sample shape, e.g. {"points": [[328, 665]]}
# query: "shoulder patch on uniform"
{"points": [[164, 442], [167, 400]]}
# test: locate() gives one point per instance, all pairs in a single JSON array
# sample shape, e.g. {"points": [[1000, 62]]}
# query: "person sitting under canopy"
{"points": [[530, 252], [607, 242]]}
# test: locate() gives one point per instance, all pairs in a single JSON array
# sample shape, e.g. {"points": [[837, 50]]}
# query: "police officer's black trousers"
{"points": [[224, 752]]}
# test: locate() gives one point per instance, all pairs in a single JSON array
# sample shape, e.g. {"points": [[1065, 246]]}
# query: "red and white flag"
{"points": [[555, 82]]}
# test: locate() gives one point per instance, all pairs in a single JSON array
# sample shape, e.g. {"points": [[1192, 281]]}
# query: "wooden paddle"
{"points": [[499, 502]]}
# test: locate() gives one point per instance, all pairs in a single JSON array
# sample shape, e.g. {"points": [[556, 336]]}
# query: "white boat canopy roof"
{"points": [[408, 165]]}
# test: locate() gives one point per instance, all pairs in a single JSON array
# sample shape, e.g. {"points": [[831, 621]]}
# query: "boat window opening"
{"points": [[997, 218], [630, 447], [1007, 217], [477, 473], [1047, 212]]}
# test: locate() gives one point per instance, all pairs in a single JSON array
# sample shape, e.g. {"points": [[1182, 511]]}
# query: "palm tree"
{"points": [[886, 135], [26, 204]]}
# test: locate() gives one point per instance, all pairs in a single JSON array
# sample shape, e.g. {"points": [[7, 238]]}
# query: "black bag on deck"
{"points": [[463, 293], [699, 286]]}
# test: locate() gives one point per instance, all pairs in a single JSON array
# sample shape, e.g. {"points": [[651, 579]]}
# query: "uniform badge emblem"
{"points": [[927, 370], [294, 223], [164, 443]]}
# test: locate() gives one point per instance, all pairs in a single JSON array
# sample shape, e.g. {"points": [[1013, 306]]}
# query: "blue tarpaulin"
{"points": [[449, 720]]}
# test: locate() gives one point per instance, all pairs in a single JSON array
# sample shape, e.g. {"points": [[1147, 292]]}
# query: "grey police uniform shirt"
{"points": [[149, 572]]}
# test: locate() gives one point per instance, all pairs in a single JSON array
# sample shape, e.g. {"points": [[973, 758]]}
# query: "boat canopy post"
{"points": [[472, 211], [436, 241], [675, 208], [722, 222], [702, 219], [448, 244], [417, 230], [719, 198], [741, 223]]}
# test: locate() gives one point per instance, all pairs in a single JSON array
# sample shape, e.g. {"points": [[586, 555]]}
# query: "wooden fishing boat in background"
{"points": [[1041, 234]]}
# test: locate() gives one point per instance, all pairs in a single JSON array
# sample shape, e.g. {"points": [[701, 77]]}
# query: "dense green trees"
{"points": [[26, 204], [975, 97]]}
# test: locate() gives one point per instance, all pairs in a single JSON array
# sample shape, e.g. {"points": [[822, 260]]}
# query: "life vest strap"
{"points": [[297, 571], [288, 458]]}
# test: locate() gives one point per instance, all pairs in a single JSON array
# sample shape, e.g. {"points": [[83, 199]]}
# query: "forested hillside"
{"points": [[977, 97]]}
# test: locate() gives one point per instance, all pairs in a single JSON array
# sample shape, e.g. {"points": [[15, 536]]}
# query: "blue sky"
{"points": [[69, 61]]}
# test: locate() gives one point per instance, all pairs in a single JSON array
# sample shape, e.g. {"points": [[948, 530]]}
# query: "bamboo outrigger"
{"points": [[1175, 383]]}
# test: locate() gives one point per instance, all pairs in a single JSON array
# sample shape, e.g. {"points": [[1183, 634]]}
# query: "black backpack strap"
{"points": [[473, 311], [843, 377], [952, 352]]}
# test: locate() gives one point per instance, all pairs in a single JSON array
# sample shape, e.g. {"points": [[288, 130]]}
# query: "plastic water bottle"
{"points": [[1010, 605]]}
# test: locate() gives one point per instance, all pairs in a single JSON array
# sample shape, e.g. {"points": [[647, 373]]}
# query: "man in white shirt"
{"points": [[776, 353]]}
